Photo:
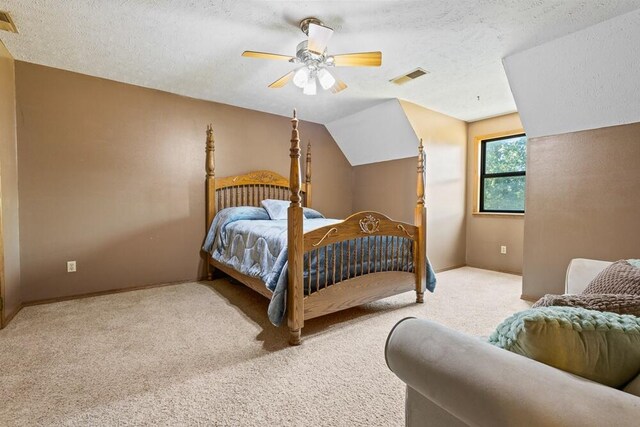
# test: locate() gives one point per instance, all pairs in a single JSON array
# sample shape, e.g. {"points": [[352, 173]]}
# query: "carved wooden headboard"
{"points": [[248, 189]]}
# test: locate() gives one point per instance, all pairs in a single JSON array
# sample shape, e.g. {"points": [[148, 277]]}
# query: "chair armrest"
{"points": [[483, 385], [581, 272]]}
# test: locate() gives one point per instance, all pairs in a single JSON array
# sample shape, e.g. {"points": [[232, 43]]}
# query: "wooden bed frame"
{"points": [[361, 287]]}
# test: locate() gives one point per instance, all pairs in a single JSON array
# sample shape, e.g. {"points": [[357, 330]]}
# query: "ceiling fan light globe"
{"points": [[301, 77], [310, 88], [326, 79]]}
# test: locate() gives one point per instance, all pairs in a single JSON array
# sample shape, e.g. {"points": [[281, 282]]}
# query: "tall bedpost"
{"points": [[210, 167], [307, 177], [295, 307], [421, 222]]}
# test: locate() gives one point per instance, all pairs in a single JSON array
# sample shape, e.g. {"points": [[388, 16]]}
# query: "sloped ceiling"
{"points": [[376, 134], [193, 47], [586, 80]]}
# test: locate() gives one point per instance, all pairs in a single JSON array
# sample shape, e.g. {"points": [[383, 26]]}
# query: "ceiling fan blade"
{"points": [[339, 86], [265, 55], [282, 80], [362, 59], [318, 38]]}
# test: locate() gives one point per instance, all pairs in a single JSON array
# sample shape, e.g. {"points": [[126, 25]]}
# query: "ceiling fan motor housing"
{"points": [[309, 58], [304, 24]]}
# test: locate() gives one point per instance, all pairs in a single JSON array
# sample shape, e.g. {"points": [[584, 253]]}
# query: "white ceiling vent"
{"points": [[6, 23], [411, 75]]}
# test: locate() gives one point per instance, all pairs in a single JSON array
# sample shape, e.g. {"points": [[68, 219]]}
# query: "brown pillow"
{"points": [[619, 278], [619, 303]]}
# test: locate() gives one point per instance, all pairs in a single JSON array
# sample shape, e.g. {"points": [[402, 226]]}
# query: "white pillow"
{"points": [[277, 209]]}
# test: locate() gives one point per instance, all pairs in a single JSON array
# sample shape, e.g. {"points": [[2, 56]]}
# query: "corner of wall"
{"points": [[390, 186], [485, 234], [10, 286]]}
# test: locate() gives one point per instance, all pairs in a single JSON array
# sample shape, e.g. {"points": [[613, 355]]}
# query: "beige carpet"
{"points": [[205, 354]]}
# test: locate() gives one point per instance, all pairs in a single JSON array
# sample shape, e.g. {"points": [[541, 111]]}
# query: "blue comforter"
{"points": [[245, 239]]}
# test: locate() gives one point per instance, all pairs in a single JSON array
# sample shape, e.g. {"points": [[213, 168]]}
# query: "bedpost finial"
{"points": [[210, 148], [210, 140], [307, 174], [421, 157], [295, 113], [294, 173], [294, 124], [421, 183]]}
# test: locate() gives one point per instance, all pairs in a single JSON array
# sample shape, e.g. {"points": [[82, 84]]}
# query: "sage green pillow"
{"points": [[601, 346]]}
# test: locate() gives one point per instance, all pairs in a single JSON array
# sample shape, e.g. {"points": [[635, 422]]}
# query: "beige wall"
{"points": [[9, 233], [112, 176], [486, 232], [390, 187], [583, 201]]}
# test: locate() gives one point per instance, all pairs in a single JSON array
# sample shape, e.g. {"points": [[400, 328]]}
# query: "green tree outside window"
{"points": [[503, 174]]}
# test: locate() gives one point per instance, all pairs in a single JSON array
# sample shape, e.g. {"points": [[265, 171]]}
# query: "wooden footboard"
{"points": [[357, 291], [379, 257], [362, 259]]}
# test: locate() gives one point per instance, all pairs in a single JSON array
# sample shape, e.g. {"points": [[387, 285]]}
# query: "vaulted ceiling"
{"points": [[193, 47]]}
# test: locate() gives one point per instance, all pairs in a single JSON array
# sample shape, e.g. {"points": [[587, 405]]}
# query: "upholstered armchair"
{"points": [[457, 380]]}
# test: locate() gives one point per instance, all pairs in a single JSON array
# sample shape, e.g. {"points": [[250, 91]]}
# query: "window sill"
{"points": [[497, 215]]}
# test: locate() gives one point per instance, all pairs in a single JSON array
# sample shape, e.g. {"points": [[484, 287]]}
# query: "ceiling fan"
{"points": [[314, 59]]}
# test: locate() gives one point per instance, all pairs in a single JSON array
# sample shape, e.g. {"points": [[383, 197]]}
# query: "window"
{"points": [[503, 164]]}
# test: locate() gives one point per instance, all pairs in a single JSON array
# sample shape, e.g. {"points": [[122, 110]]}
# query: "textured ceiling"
{"points": [[193, 47]]}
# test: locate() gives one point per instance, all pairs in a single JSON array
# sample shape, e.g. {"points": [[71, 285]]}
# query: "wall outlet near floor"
{"points": [[71, 266], [503, 250]]}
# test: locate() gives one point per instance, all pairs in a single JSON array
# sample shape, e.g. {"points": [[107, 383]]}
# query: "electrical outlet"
{"points": [[503, 250], [71, 266]]}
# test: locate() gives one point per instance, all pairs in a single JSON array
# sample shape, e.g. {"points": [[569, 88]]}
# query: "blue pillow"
{"points": [[277, 209], [312, 213]]}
